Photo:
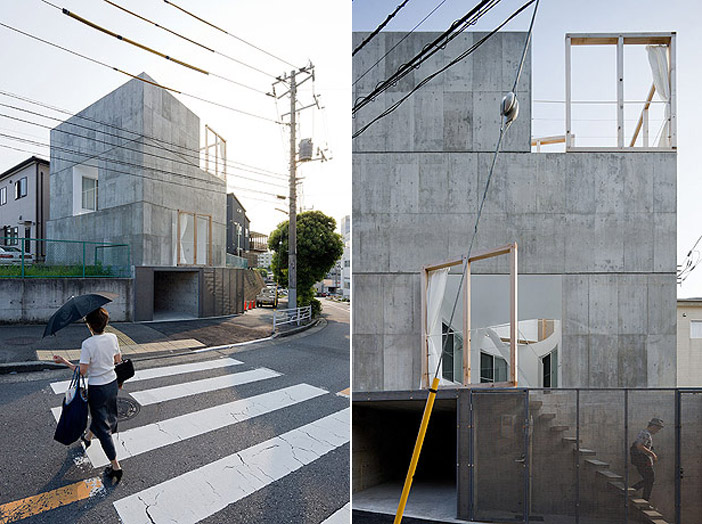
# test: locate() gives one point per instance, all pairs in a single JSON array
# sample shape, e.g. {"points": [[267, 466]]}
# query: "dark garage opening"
{"points": [[384, 435], [176, 295]]}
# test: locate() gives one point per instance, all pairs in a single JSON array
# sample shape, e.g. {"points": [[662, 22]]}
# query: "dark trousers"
{"points": [[103, 414], [646, 472]]}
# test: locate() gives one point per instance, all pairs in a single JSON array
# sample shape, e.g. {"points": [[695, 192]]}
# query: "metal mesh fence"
{"points": [[42, 258], [566, 456]]}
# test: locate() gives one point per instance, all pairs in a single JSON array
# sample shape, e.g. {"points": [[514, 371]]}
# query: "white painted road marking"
{"points": [[200, 493], [166, 371], [343, 516], [153, 436], [156, 395]]}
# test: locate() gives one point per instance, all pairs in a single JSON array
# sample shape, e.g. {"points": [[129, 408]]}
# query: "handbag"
{"points": [[74, 412], [124, 370]]}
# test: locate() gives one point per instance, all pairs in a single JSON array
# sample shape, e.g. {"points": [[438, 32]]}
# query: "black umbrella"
{"points": [[75, 309]]}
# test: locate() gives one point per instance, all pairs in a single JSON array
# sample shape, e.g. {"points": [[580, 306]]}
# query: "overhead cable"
{"points": [[141, 167], [399, 42], [379, 28], [155, 84], [433, 47], [179, 150], [504, 126], [105, 142], [453, 62], [98, 27], [228, 34], [194, 42]]}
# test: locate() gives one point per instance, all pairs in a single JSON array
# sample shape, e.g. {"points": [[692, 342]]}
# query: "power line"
{"points": [[106, 31], [155, 84], [180, 151], [123, 163], [195, 42], [399, 42], [5, 146], [227, 33], [440, 42], [379, 28], [187, 163], [453, 62]]}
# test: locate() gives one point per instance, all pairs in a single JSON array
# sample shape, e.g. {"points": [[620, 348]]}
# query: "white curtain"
{"points": [[658, 59], [436, 287]]}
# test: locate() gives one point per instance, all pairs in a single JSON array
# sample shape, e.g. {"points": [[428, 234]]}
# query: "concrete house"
{"points": [[593, 232], [24, 204], [126, 170]]}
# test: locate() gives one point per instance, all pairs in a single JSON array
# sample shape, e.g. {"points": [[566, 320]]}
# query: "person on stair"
{"points": [[643, 456]]}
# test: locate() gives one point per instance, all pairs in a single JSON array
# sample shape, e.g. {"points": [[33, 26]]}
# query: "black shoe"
{"points": [[115, 475], [85, 441]]}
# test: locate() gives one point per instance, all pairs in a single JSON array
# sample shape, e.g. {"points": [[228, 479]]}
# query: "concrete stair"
{"points": [[642, 509]]}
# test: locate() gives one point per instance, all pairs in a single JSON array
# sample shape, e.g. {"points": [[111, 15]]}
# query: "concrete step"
{"points": [[608, 474], [571, 440], [586, 452], [651, 513], [558, 429], [620, 486], [658, 521], [535, 405], [641, 503], [545, 417], [597, 463]]}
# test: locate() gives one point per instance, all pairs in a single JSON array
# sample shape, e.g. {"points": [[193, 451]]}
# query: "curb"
{"points": [[35, 365], [299, 329]]}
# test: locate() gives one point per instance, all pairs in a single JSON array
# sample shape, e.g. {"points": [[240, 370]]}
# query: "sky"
{"points": [[296, 32], [592, 80]]}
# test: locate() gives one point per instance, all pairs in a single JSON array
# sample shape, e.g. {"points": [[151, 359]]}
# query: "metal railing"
{"points": [[45, 258], [237, 261], [296, 315]]}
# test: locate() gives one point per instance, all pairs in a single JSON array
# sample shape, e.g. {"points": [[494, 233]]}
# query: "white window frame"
{"points": [[21, 188], [79, 173], [696, 332], [3, 196]]}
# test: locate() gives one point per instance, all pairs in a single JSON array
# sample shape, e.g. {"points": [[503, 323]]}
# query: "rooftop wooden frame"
{"points": [[220, 160], [620, 40], [509, 249]]}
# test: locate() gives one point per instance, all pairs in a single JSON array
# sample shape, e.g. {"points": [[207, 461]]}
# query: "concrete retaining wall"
{"points": [[35, 300]]}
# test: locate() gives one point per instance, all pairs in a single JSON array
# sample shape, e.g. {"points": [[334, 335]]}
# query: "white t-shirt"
{"points": [[99, 353]]}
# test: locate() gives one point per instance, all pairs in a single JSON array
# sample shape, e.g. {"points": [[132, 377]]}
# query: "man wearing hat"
{"points": [[643, 457]]}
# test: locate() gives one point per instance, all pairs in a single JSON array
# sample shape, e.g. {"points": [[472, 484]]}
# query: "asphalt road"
{"points": [[259, 435]]}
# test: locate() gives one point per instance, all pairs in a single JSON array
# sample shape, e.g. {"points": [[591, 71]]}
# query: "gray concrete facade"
{"points": [[602, 222], [142, 144]]}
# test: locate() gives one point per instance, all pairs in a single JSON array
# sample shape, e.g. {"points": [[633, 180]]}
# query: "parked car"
{"points": [[10, 255], [267, 297]]}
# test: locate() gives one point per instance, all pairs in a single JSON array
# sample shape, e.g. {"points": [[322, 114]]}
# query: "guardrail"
{"points": [[45, 258], [291, 316]]}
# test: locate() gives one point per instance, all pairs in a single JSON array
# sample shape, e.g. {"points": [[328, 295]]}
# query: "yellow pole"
{"points": [[417, 450]]}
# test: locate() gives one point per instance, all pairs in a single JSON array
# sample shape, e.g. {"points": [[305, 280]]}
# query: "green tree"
{"points": [[318, 249]]}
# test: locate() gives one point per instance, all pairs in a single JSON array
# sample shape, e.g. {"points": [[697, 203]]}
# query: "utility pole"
{"points": [[292, 217], [292, 82]]}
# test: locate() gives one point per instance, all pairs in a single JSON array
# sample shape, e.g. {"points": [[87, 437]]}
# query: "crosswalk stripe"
{"points": [[166, 371], [174, 391], [152, 436], [202, 492], [343, 516]]}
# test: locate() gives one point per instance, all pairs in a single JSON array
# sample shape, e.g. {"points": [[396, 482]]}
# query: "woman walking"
{"points": [[98, 356]]}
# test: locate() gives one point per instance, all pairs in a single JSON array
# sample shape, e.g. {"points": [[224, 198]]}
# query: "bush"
{"points": [[316, 307]]}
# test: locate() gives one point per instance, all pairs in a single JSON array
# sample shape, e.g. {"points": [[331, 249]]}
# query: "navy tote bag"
{"points": [[74, 412]]}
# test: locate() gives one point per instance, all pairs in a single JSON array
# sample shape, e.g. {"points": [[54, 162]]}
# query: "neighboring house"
{"points": [[237, 227], [265, 259], [689, 342], [24, 205], [345, 228]]}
